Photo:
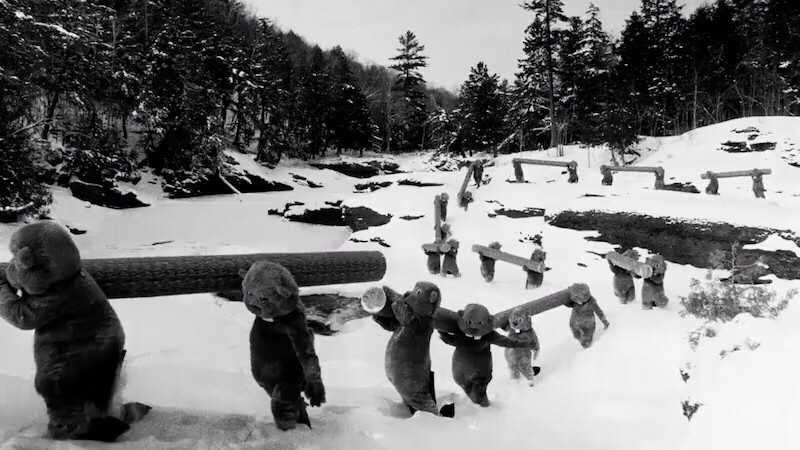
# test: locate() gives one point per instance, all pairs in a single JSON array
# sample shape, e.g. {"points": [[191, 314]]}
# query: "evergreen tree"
{"points": [[349, 120], [410, 99], [481, 111], [314, 102]]}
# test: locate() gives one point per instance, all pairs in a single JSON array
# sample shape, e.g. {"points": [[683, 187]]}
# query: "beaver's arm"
{"points": [[504, 341], [599, 312], [27, 312]]}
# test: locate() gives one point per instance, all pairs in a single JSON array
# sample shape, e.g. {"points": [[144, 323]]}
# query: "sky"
{"points": [[457, 34]]}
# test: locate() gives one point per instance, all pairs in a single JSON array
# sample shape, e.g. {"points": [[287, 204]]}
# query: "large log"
{"points": [[180, 275], [631, 265], [635, 169], [735, 173], [466, 179], [527, 264], [378, 300], [544, 162]]}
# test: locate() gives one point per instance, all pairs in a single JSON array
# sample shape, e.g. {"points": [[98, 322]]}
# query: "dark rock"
{"points": [[682, 187], [592, 195], [763, 146], [275, 212], [747, 130], [582, 265], [251, 183], [375, 239], [372, 186], [734, 147], [361, 218], [325, 216], [110, 197], [336, 204], [411, 217], [193, 184], [417, 183], [161, 243], [685, 242], [367, 169], [535, 239], [517, 214], [325, 313], [752, 137], [309, 183], [76, 231]]}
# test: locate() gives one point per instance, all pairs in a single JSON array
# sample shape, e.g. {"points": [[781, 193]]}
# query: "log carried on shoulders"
{"points": [[527, 264], [735, 173], [634, 169], [544, 162], [180, 275], [378, 301], [631, 265]]}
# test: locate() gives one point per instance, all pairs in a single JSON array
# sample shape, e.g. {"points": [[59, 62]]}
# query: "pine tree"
{"points": [[349, 120], [481, 110], [410, 99], [314, 103]]}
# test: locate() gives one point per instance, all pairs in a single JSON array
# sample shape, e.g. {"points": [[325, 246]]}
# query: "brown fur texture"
{"points": [[283, 360], [445, 233], [443, 200], [449, 265], [487, 264], [477, 174], [408, 357], [535, 279], [520, 328], [608, 177], [434, 262], [472, 357], [465, 199], [713, 184], [584, 307], [624, 288], [78, 338], [758, 184], [653, 287]]}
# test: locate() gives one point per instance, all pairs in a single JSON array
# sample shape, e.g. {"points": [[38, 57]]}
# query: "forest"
{"points": [[168, 85]]}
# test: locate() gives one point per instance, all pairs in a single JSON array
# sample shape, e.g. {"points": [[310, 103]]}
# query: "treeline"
{"points": [[666, 74], [177, 81]]}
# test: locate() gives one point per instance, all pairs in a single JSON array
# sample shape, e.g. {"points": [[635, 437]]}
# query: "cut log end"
{"points": [[373, 300]]}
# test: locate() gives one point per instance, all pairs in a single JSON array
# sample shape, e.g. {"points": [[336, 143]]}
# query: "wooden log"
{"points": [[378, 301], [631, 265], [466, 180], [181, 275], [544, 162], [735, 173], [436, 247], [527, 264], [635, 169]]}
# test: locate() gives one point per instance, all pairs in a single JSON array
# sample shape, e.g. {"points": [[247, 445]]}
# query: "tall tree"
{"points": [[481, 110], [349, 120], [410, 98]]}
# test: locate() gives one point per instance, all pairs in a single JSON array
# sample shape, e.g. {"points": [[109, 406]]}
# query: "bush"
{"points": [[99, 155], [722, 300], [21, 192]]}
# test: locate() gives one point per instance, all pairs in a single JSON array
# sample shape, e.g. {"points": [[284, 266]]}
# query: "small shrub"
{"points": [[689, 409], [21, 192], [722, 300]]}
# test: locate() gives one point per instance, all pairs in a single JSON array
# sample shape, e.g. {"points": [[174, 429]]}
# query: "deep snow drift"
{"points": [[188, 355]]}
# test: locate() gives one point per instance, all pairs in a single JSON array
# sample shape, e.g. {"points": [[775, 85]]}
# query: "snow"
{"points": [[188, 355], [774, 243]]}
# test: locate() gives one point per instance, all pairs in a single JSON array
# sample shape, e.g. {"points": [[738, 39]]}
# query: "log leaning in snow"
{"points": [[437, 217], [180, 275], [527, 264], [464, 198], [631, 265], [572, 167], [608, 178], [378, 301]]}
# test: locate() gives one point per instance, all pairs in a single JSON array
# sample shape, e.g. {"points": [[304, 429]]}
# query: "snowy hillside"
{"points": [[188, 355]]}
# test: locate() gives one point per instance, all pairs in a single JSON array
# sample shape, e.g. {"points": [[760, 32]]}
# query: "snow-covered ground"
{"points": [[188, 355]]}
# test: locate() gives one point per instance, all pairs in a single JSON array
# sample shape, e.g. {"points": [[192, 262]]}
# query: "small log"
{"points": [[635, 169], [545, 303], [631, 265], [437, 217], [436, 247], [466, 179], [181, 275], [544, 162], [735, 173], [527, 264]]}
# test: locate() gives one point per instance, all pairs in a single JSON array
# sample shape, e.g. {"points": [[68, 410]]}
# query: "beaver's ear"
{"points": [[26, 258], [434, 297], [242, 273], [460, 313], [283, 291]]}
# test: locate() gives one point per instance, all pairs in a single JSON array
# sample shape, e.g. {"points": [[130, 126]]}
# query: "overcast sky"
{"points": [[457, 34]]}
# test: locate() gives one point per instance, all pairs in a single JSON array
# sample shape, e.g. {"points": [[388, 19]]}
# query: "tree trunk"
{"points": [[549, 49], [51, 110]]}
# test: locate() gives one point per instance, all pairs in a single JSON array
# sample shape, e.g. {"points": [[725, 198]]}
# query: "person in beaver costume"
{"points": [[473, 336], [78, 339], [283, 360]]}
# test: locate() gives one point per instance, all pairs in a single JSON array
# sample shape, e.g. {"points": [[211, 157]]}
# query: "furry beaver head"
{"points": [[659, 266], [269, 290], [423, 299], [43, 254], [519, 320], [475, 321]]}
